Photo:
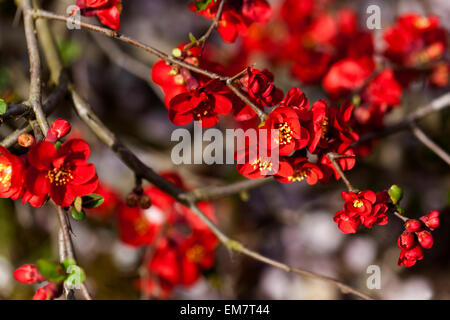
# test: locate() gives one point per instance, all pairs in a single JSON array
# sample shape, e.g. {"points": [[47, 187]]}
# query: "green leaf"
{"points": [[53, 271], [202, 4], [92, 201], [396, 193], [68, 262], [3, 106], [78, 215], [76, 276], [57, 145], [192, 37]]}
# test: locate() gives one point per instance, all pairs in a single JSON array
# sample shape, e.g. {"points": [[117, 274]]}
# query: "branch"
{"points": [[140, 169], [333, 157], [35, 66], [69, 252], [436, 105], [430, 144], [171, 60], [208, 32]]}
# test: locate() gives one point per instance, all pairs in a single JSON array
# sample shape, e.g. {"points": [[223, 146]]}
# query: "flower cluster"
{"points": [[363, 208], [29, 274], [180, 244], [236, 16], [107, 11], [317, 129], [415, 237], [55, 170]]}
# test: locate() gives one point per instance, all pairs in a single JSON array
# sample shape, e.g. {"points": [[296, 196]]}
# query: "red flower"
{"points": [[28, 274], [48, 292], [409, 257], [425, 239], [236, 16], [107, 11], [292, 135], [348, 222], [203, 104], [431, 220], [58, 130], [261, 89], [415, 40], [413, 225], [302, 169], [64, 173], [11, 175], [359, 203], [384, 90], [297, 100], [406, 240], [347, 75], [26, 140]]}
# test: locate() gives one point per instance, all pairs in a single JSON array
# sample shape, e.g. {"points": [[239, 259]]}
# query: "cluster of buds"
{"points": [[137, 197], [29, 274], [415, 238]]}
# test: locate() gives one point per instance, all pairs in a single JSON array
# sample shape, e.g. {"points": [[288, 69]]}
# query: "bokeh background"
{"points": [[291, 223]]}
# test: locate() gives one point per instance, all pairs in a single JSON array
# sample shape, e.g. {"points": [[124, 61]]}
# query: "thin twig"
{"points": [[430, 144], [35, 66], [333, 157], [169, 59]]}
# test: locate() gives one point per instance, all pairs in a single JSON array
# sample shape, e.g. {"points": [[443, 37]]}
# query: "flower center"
{"points": [[196, 253], [60, 176], [422, 23], [357, 203], [324, 127], [299, 175], [5, 175], [265, 165], [203, 110], [285, 133]]}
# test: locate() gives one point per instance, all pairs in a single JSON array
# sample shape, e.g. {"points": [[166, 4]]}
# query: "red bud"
{"points": [[406, 240], [425, 239], [58, 130], [48, 292], [413, 225], [145, 202], [431, 220], [132, 200], [28, 274], [25, 140]]}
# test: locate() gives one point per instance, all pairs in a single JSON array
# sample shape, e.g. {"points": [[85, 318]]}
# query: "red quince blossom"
{"points": [[347, 75], [415, 40], [28, 274], [203, 104], [26, 140], [292, 135], [365, 207], [107, 11], [236, 16], [64, 174], [11, 175], [302, 170], [431, 220], [383, 90], [409, 257], [415, 237], [59, 129]]}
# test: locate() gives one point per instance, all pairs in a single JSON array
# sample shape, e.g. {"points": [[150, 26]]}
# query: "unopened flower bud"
{"points": [[132, 200], [413, 225], [25, 140], [48, 292], [58, 130], [28, 274], [406, 240], [431, 220], [425, 239], [145, 202]]}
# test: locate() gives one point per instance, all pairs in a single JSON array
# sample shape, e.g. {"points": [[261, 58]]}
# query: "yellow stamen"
{"points": [[60, 176]]}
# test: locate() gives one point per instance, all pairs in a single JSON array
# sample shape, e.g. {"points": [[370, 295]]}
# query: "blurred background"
{"points": [[291, 223]]}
